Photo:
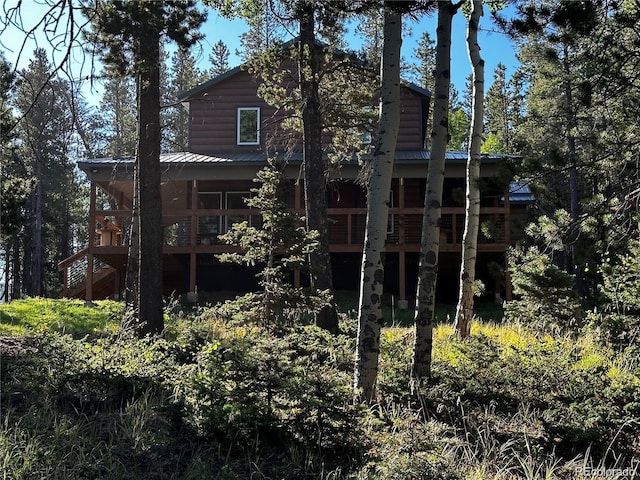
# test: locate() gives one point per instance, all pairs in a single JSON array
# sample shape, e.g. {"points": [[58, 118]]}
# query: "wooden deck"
{"points": [[195, 231]]}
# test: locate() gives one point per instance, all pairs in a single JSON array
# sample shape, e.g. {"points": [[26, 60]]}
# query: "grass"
{"points": [[508, 403], [347, 303], [32, 315]]}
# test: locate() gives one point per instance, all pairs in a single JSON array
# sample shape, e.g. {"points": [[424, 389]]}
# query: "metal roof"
{"points": [[190, 158], [519, 192]]}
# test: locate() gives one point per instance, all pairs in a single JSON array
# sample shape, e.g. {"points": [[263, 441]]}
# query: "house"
{"points": [[203, 193]]}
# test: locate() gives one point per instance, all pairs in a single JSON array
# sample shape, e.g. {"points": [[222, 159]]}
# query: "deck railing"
{"points": [[74, 269], [203, 227], [198, 231]]}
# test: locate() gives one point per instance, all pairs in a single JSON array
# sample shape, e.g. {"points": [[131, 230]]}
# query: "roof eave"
{"points": [[189, 94]]}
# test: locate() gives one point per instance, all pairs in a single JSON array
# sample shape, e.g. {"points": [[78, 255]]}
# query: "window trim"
{"points": [[238, 115]]}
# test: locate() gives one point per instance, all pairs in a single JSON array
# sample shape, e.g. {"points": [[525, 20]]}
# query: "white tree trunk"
{"points": [[464, 310], [370, 319], [430, 243]]}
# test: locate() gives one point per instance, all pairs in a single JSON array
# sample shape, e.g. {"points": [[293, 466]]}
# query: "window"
{"points": [[248, 126], [209, 225], [235, 201], [209, 200]]}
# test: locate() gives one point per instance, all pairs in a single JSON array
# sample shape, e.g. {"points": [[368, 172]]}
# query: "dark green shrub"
{"points": [[619, 318], [91, 372], [545, 297], [396, 349], [253, 389], [407, 447]]}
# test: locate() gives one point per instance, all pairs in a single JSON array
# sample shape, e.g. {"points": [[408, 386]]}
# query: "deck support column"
{"points": [[116, 289], [403, 303], [65, 282], [507, 242], [88, 293], [192, 294]]}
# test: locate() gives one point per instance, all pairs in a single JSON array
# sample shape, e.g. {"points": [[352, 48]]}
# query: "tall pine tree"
{"points": [[135, 30]]}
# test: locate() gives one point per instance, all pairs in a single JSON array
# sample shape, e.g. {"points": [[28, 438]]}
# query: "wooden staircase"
{"points": [[103, 285], [105, 277]]}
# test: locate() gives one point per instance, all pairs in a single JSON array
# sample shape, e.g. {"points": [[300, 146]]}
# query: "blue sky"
{"points": [[496, 47]]}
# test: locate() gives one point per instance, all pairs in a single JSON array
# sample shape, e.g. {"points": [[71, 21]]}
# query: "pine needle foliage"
{"points": [[279, 246], [545, 295]]}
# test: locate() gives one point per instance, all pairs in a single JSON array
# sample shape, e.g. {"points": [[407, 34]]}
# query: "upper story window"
{"points": [[248, 126]]}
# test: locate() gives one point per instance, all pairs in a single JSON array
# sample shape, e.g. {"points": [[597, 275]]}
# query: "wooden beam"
{"points": [[116, 286], [89, 281], [193, 256], [402, 294], [91, 244], [401, 223], [92, 216], [193, 265], [507, 241]]}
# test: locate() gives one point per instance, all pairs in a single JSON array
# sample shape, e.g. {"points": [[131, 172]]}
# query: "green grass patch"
{"points": [[347, 302], [222, 399], [34, 315]]}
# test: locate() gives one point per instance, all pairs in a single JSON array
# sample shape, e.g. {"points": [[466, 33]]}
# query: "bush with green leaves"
{"points": [[90, 408], [544, 293]]}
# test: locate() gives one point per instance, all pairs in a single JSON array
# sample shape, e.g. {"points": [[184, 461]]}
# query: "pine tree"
{"points": [[321, 109], [579, 100], [15, 186], [219, 58], [370, 29], [278, 247], [183, 75], [504, 110], [48, 147], [266, 29], [134, 30], [425, 53], [117, 109], [553, 123]]}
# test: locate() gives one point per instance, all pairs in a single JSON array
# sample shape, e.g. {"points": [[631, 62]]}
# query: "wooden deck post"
{"points": [[88, 295], [192, 295], [116, 286], [193, 265], [65, 282], [507, 242], [403, 304]]}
